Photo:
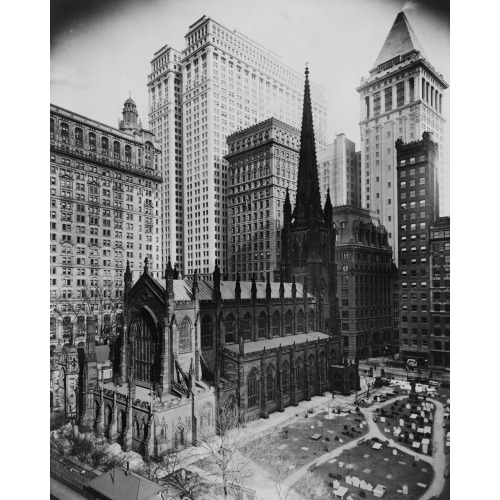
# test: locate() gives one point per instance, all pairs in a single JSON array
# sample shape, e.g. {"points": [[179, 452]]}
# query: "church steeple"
{"points": [[308, 199]]}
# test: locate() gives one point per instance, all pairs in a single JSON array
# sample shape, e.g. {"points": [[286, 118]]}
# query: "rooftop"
{"points": [[275, 342], [119, 484]]}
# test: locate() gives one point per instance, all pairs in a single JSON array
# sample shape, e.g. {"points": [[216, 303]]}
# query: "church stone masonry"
{"points": [[190, 345]]}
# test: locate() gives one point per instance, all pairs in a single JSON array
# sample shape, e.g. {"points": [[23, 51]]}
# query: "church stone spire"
{"points": [[308, 199]]}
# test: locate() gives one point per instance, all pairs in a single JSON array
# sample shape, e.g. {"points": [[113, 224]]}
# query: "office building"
{"points": [[165, 121], [262, 165], [439, 243], [340, 172], [104, 211], [364, 284], [418, 201], [229, 83], [401, 99]]}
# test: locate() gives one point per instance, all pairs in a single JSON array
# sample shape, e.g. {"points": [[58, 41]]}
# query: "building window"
{"points": [[270, 383], [116, 150], [286, 377], [299, 373], [229, 326], [64, 133], [276, 324], [262, 325], [253, 389], [311, 321], [288, 323], [245, 327], [300, 322], [206, 332], [78, 137], [185, 336], [105, 146]]}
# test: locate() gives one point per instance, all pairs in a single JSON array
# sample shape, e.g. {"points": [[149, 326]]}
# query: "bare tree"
{"points": [[224, 457], [171, 470], [101, 300], [311, 487]]}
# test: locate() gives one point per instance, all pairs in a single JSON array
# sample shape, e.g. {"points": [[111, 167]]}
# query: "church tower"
{"points": [[401, 99], [308, 236]]}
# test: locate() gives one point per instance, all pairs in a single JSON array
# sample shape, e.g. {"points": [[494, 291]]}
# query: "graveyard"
{"points": [[310, 436], [374, 469], [409, 423]]}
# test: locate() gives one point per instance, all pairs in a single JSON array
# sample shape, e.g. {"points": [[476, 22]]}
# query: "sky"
{"points": [[100, 50]]}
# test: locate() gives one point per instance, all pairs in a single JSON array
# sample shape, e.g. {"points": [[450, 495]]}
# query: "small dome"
{"points": [[129, 101]]}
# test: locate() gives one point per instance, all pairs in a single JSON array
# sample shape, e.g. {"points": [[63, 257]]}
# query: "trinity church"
{"points": [[189, 345]]}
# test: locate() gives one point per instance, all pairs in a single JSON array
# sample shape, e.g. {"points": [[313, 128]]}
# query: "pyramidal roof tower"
{"points": [[400, 99], [400, 41], [308, 197]]}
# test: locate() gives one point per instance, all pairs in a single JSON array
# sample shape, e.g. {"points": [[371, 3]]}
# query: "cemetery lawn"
{"points": [[290, 450], [397, 410], [380, 464]]}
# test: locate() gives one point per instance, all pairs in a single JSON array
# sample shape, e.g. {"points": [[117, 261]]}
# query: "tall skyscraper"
{"points": [[364, 284], [339, 171], [165, 121], [104, 211], [229, 82], [402, 98], [418, 202], [263, 163]]}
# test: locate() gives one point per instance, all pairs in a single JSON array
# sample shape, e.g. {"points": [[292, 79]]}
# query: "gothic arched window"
{"points": [[206, 332], [311, 320], [300, 322], [185, 336], [253, 389], [276, 324], [147, 363], [312, 370], [299, 370], [288, 322], [285, 370], [245, 327], [262, 324], [229, 326], [270, 379]]}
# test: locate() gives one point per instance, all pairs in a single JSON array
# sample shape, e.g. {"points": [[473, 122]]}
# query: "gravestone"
{"points": [[395, 452], [401, 422], [405, 489], [336, 485], [348, 480], [355, 481], [369, 487], [362, 484]]}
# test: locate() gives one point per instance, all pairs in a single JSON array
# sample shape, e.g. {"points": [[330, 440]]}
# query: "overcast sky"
{"points": [[101, 49]]}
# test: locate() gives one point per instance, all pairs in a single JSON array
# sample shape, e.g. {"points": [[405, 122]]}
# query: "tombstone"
{"points": [[413, 426], [405, 489], [401, 422], [341, 465], [422, 414], [369, 487], [416, 458], [362, 484], [395, 452], [348, 480], [336, 485], [408, 407], [412, 436], [382, 419], [360, 426], [355, 481]]}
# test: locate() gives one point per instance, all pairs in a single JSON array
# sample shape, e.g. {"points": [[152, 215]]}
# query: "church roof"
{"points": [[400, 40], [275, 342], [183, 290], [117, 484]]}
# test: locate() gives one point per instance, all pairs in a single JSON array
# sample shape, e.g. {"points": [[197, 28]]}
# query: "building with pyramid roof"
{"points": [[400, 99]]}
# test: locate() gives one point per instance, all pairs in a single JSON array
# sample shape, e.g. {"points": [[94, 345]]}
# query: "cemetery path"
{"points": [[439, 458]]}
